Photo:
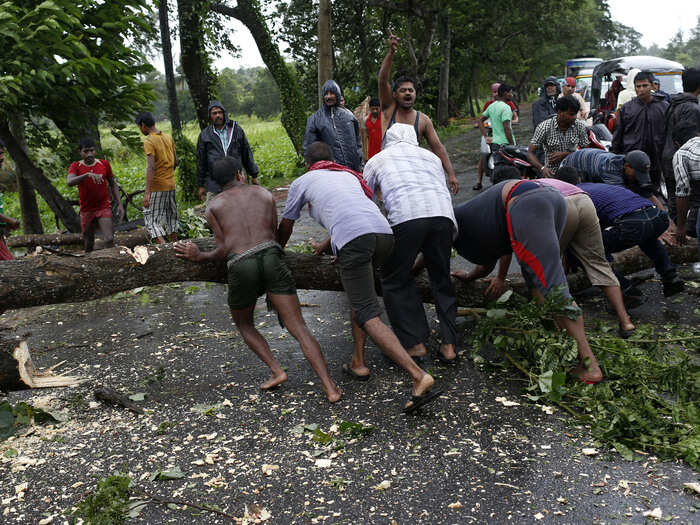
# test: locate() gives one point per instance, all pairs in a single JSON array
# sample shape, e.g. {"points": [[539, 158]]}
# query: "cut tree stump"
{"points": [[51, 279], [17, 372]]}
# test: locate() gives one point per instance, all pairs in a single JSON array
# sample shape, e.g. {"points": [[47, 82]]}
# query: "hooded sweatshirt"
{"points": [[213, 145], [629, 92], [338, 128], [684, 107], [544, 107]]}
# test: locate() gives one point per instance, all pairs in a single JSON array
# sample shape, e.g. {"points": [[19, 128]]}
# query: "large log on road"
{"points": [[50, 279], [130, 239]]}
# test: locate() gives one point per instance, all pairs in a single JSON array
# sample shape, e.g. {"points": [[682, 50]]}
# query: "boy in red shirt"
{"points": [[92, 177], [374, 128]]}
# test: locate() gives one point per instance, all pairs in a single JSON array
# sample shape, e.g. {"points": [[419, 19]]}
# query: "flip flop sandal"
{"points": [[354, 375], [419, 401]]}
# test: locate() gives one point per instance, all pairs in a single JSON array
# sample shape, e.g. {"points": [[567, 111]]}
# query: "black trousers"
{"points": [[404, 305]]}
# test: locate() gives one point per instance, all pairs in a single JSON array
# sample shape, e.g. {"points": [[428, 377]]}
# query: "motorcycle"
{"points": [[516, 156]]}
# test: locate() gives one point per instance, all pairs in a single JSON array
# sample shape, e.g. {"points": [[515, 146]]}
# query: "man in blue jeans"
{"points": [[630, 220]]}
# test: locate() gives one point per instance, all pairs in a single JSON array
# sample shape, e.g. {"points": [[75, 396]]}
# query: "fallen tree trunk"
{"points": [[17, 372], [50, 279], [130, 239]]}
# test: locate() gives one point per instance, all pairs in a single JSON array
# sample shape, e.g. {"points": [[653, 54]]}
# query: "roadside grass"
{"points": [[272, 150]]}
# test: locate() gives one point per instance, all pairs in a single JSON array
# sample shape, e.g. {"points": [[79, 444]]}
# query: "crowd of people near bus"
{"points": [[390, 208]]}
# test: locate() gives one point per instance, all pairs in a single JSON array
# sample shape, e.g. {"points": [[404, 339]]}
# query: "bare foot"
{"points": [[589, 375], [627, 326], [275, 380], [418, 350], [334, 393], [448, 351], [423, 385], [360, 370]]}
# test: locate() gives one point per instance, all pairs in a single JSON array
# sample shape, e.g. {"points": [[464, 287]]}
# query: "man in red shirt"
{"points": [[92, 177], [374, 128]]}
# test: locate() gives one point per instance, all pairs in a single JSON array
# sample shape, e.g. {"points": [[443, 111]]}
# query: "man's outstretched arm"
{"points": [[189, 250], [385, 97]]}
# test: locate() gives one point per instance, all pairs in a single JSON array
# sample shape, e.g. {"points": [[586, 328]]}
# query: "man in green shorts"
{"points": [[244, 221]]}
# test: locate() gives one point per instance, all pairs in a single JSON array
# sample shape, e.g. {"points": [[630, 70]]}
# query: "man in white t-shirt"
{"points": [[340, 201]]}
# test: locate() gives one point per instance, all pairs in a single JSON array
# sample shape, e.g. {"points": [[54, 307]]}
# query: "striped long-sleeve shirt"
{"points": [[686, 167], [411, 179]]}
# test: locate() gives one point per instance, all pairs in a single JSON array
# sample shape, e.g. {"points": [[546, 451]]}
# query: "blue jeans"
{"points": [[641, 228]]}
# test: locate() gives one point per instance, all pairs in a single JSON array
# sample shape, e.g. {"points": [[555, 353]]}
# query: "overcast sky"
{"points": [[657, 20]]}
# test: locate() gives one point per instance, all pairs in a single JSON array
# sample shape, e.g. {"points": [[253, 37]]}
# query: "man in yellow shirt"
{"points": [[159, 203]]}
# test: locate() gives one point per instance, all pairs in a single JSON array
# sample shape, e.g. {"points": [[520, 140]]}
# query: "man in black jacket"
{"points": [[640, 125], [684, 108], [223, 138], [335, 126]]}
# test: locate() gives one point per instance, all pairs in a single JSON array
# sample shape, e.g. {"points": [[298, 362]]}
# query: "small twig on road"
{"points": [[178, 501]]}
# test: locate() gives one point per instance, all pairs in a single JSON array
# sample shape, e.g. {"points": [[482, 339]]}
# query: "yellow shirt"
{"points": [[162, 148]]}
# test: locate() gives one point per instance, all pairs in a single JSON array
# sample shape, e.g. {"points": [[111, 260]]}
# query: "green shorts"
{"points": [[255, 274]]}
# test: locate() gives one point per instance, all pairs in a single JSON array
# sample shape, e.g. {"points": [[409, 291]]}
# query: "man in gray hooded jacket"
{"points": [[337, 127], [222, 138], [544, 107]]}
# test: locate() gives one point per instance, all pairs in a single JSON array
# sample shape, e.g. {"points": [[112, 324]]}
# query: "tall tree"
{"points": [[325, 46], [173, 108], [31, 218], [444, 89], [196, 64], [66, 60], [293, 116]]}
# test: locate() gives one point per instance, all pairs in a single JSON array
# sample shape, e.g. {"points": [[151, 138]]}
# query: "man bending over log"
{"points": [[340, 201], [244, 221], [92, 177], [526, 218]]}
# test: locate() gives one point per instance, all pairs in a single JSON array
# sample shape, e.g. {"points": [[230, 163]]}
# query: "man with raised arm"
{"points": [[397, 106], [244, 221], [340, 201]]}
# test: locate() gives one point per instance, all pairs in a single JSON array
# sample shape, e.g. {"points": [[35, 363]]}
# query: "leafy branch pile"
{"points": [[21, 415], [649, 399]]}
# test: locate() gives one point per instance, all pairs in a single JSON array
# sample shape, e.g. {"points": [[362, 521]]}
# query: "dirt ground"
{"points": [[282, 455]]}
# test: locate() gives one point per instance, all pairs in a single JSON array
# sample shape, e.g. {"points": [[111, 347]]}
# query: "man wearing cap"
{"points": [[545, 106], [569, 88], [657, 88], [630, 170], [222, 138]]}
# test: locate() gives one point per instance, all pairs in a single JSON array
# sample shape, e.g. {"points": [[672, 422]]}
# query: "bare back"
{"points": [[243, 217]]}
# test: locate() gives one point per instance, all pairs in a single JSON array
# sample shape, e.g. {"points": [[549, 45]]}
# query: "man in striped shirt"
{"points": [[559, 135], [686, 168], [412, 182]]}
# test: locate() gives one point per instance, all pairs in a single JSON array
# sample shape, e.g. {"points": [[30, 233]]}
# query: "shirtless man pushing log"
{"points": [[244, 221]]}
